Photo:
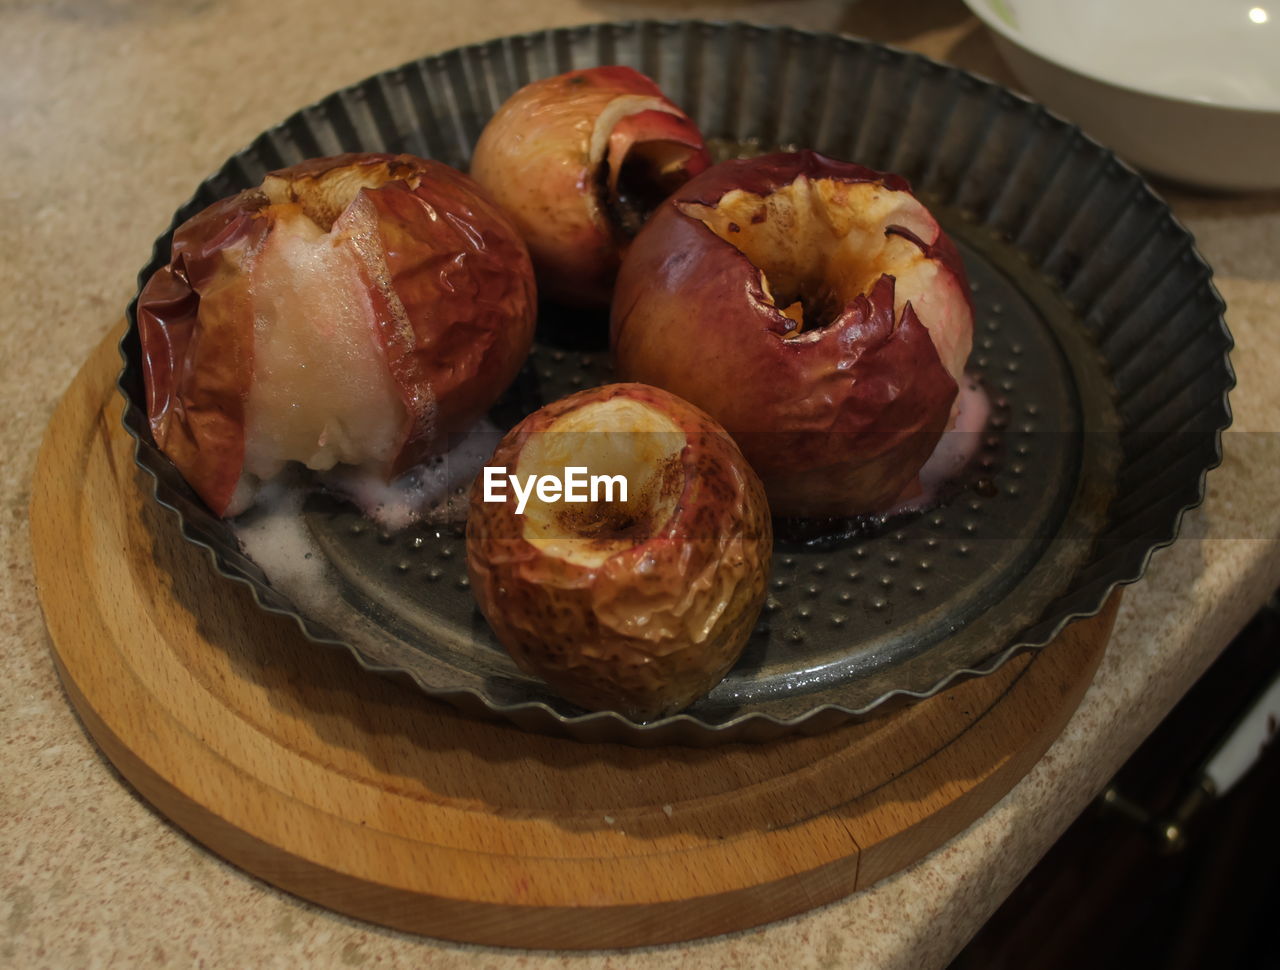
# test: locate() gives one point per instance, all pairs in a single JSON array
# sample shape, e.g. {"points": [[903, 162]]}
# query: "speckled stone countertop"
{"points": [[112, 111]]}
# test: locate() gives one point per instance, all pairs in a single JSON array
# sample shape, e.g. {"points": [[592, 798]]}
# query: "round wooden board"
{"points": [[361, 794]]}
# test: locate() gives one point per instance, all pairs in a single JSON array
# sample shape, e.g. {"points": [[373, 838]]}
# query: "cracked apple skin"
{"points": [[816, 310], [353, 309], [641, 620], [577, 160]]}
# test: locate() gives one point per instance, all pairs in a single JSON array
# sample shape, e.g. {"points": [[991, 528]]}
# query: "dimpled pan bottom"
{"points": [[1099, 340]]}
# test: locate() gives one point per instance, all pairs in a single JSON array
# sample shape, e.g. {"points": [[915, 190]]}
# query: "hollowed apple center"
{"points": [[325, 195], [616, 437], [820, 243], [633, 173], [649, 172]]}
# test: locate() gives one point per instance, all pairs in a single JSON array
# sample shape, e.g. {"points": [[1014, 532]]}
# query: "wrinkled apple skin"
{"points": [[837, 422], [440, 249], [655, 626], [543, 160]]}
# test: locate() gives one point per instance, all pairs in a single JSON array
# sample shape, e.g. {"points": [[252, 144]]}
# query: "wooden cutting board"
{"points": [[362, 795]]}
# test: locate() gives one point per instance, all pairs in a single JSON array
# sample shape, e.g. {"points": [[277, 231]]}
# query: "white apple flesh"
{"points": [[321, 392]]}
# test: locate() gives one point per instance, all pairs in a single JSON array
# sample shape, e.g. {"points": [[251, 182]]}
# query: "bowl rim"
{"points": [[989, 12]]}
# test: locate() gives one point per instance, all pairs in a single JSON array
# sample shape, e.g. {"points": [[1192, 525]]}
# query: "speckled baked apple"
{"points": [[815, 309], [579, 160], [355, 309], [638, 606]]}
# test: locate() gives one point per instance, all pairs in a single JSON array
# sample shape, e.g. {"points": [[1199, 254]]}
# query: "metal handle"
{"points": [[1230, 761]]}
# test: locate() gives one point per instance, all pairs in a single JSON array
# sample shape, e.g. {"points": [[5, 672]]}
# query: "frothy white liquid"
{"points": [[434, 491], [955, 449], [274, 533]]}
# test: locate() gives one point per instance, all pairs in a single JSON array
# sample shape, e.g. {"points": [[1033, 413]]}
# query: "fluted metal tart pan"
{"points": [[1099, 338]]}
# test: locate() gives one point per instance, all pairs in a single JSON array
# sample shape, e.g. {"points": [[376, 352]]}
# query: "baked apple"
{"points": [[816, 310], [355, 309], [636, 599], [579, 160]]}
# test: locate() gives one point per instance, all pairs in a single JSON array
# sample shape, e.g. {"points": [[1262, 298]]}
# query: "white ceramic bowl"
{"points": [[1188, 89]]}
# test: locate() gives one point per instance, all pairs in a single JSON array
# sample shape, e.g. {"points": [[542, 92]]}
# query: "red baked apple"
{"points": [[639, 605], [816, 310], [579, 160], [355, 309]]}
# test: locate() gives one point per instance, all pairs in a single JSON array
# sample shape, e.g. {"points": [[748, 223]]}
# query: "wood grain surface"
{"points": [[365, 796]]}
